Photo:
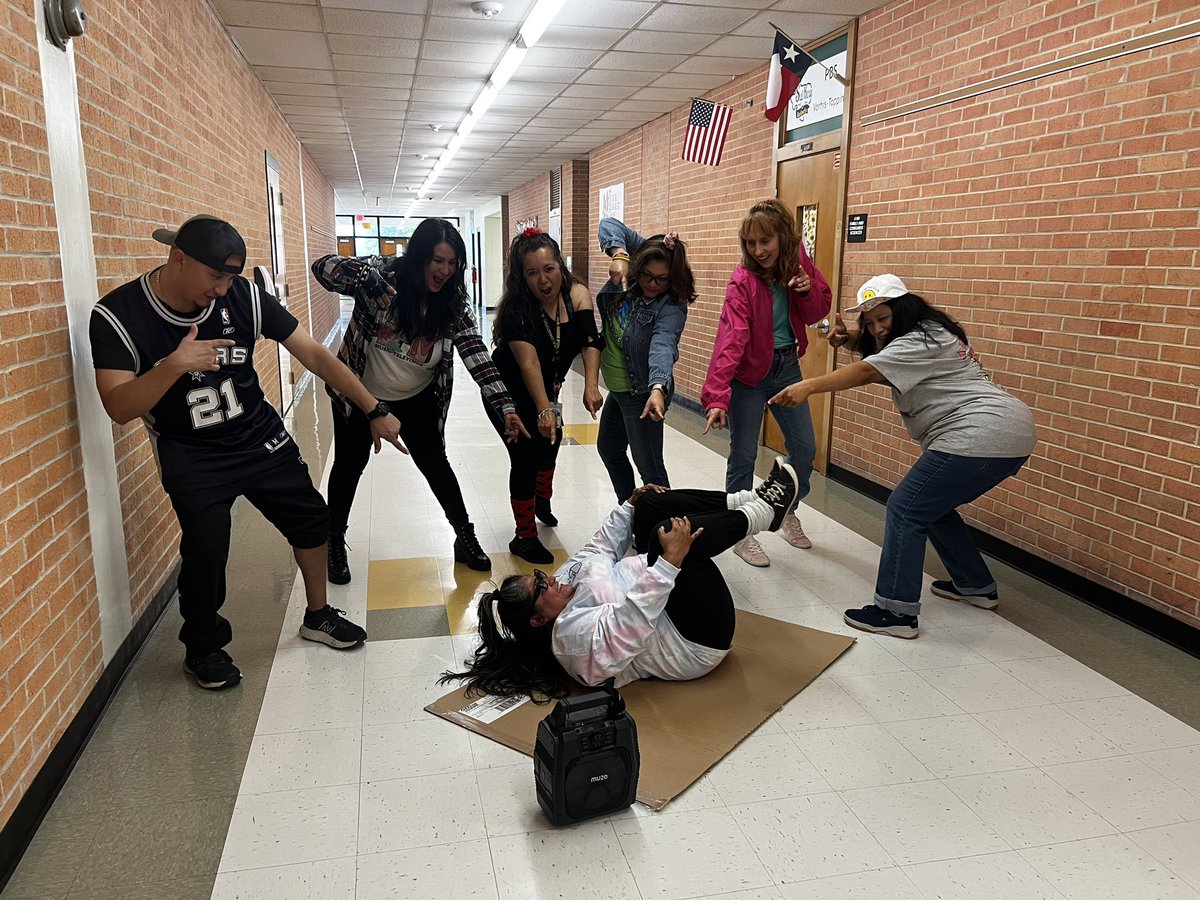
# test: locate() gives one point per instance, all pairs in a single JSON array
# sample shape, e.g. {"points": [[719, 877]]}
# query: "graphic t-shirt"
{"points": [[398, 368]]}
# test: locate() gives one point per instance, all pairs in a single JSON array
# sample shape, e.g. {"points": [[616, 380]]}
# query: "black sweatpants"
{"points": [[352, 446], [284, 495], [700, 605]]}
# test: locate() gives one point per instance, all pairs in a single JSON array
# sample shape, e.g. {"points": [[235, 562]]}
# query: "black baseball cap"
{"points": [[207, 239]]}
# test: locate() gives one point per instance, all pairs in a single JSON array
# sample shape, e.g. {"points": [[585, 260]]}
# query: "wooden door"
{"points": [[811, 187]]}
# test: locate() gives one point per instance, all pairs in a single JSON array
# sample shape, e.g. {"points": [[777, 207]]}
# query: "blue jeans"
{"points": [[620, 428], [923, 505], [746, 405]]}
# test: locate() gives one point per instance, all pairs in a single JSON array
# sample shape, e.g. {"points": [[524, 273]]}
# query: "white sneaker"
{"points": [[751, 551], [793, 532]]}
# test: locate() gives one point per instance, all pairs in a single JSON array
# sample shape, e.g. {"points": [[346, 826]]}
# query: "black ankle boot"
{"points": [[467, 549], [531, 550], [541, 508], [339, 566]]}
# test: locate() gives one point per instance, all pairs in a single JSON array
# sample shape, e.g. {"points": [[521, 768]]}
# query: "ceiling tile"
{"points": [[663, 42], [645, 62], [798, 26], [717, 65], [378, 25], [290, 74], [365, 65], [365, 45], [273, 47], [583, 38], [252, 14]]}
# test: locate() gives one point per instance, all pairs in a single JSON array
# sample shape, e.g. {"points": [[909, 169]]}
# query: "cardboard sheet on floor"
{"points": [[684, 727]]}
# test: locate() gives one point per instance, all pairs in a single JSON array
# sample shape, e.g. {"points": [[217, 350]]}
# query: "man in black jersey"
{"points": [[176, 347]]}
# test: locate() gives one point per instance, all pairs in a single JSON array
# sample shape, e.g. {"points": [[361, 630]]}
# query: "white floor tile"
{"points": [[419, 812], [936, 648], [809, 837], [892, 884], [996, 876], [922, 822], [1134, 724], [1107, 868], [1028, 808], [327, 879], [765, 767], [1061, 679], [302, 759], [414, 656], [584, 861], [823, 704], [291, 827], [956, 745], [982, 688], [1046, 735], [442, 872], [312, 663], [766, 893], [489, 754], [999, 641], [1180, 764], [390, 700], [700, 794], [406, 749], [510, 804], [859, 756], [309, 707], [897, 696], [1127, 792], [868, 655], [1175, 846]]}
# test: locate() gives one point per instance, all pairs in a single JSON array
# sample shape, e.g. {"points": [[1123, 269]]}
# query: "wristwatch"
{"points": [[659, 387], [381, 409]]}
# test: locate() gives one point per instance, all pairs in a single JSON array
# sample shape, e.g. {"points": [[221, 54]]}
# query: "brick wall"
{"points": [[156, 153], [577, 241], [529, 200], [318, 198], [1058, 221], [49, 627]]}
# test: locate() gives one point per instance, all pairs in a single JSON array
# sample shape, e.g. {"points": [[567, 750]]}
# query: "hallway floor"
{"points": [[1044, 750]]}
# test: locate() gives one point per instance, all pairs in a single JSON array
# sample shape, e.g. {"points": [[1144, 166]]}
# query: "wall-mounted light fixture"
{"points": [[65, 19]]}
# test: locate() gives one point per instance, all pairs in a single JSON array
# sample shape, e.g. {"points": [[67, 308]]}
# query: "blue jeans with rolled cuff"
{"points": [[746, 405], [924, 505]]}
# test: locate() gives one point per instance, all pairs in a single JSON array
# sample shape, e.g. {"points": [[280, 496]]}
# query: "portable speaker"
{"points": [[585, 762]]}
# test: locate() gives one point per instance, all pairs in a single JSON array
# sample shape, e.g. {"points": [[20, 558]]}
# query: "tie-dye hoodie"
{"points": [[615, 624]]}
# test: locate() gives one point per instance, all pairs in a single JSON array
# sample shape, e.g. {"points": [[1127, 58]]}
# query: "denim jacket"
{"points": [[651, 341], [650, 344]]}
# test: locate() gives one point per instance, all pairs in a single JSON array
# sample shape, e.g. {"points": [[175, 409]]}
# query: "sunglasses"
{"points": [[653, 279], [541, 584]]}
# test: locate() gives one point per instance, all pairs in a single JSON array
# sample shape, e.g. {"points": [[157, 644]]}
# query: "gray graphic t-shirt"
{"points": [[947, 401]]}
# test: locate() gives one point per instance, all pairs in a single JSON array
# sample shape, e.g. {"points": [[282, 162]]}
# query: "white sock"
{"points": [[738, 499], [758, 512]]}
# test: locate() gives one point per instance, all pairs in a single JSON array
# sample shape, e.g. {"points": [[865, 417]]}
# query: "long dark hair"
{"points": [[680, 281], [517, 299], [513, 657], [770, 217], [418, 315], [909, 313]]}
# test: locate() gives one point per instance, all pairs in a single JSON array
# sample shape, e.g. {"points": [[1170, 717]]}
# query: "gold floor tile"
{"points": [[581, 434], [397, 583]]}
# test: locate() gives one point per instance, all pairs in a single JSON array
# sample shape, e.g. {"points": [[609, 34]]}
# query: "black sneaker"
{"points": [[983, 601], [781, 490], [541, 509], [468, 551], [330, 626], [530, 549], [212, 671], [878, 620], [339, 566]]}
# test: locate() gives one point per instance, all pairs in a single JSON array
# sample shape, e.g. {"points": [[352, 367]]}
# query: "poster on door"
{"points": [[820, 96]]}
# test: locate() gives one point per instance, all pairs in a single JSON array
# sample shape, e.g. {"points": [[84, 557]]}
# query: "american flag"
{"points": [[707, 126]]}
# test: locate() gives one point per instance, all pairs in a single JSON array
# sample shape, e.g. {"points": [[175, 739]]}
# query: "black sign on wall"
{"points": [[856, 228]]}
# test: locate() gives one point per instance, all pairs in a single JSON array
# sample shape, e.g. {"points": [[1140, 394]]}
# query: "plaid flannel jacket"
{"points": [[362, 280]]}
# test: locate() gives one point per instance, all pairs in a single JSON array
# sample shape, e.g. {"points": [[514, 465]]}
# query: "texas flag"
{"points": [[788, 65]]}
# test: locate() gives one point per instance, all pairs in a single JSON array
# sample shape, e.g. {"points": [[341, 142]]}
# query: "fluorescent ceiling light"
{"points": [[508, 64], [485, 99], [539, 19]]}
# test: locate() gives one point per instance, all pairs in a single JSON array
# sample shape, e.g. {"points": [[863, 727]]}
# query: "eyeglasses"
{"points": [[541, 584], [653, 279]]}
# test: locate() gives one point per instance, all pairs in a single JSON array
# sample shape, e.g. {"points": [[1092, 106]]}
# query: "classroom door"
{"points": [[811, 187]]}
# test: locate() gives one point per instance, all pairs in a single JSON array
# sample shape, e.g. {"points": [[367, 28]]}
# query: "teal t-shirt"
{"points": [[784, 336]]}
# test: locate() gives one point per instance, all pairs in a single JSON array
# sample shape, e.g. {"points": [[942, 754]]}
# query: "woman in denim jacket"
{"points": [[643, 315]]}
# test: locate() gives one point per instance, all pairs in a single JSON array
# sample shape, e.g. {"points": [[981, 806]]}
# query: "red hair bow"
{"points": [[530, 232]]}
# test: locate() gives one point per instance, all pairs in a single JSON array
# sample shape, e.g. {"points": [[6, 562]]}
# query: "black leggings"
{"points": [[700, 606], [420, 433], [526, 455]]}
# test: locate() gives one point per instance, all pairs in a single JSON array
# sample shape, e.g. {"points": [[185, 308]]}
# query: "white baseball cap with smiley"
{"points": [[875, 291]]}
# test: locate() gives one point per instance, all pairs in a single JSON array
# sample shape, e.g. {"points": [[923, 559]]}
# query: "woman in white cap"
{"points": [[973, 435]]}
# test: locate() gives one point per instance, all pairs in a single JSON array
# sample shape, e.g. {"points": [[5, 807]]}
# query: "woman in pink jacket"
{"points": [[771, 297]]}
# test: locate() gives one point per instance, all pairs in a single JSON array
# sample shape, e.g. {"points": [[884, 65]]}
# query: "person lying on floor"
{"points": [[665, 613]]}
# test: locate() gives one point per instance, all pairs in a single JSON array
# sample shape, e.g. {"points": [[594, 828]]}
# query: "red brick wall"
{"points": [[318, 198], [1058, 221], [576, 239], [704, 204], [529, 200], [49, 627], [156, 153]]}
